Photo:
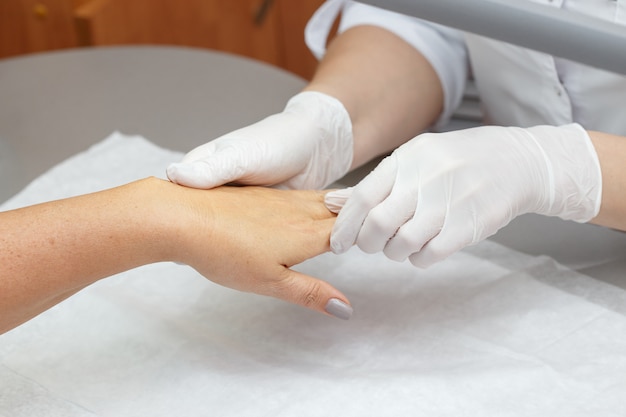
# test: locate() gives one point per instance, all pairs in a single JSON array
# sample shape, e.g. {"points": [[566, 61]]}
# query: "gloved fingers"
{"points": [[307, 146], [218, 169], [193, 171], [413, 235], [225, 164], [463, 227], [457, 233], [313, 293], [383, 221], [366, 195], [336, 199], [200, 152], [249, 155], [187, 174]]}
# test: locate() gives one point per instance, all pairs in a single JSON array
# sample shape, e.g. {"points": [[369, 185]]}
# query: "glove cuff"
{"points": [[575, 189], [334, 149]]}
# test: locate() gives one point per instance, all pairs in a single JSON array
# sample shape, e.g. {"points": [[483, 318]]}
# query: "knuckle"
{"points": [[312, 295], [379, 221], [406, 240], [362, 196], [419, 260]]}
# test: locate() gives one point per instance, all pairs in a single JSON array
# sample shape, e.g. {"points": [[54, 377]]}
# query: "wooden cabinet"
{"points": [[35, 25], [294, 14], [225, 25], [267, 30]]}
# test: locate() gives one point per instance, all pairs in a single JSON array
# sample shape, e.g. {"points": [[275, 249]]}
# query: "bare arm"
{"points": [[243, 238], [390, 90], [611, 150]]}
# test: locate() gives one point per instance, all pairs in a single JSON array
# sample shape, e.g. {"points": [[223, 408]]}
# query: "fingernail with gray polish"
{"points": [[339, 309]]}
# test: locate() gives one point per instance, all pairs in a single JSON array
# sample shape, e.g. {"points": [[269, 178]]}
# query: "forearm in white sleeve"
{"points": [[443, 47]]}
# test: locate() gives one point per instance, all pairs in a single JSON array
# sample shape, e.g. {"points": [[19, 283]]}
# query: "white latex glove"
{"points": [[441, 192], [307, 146]]}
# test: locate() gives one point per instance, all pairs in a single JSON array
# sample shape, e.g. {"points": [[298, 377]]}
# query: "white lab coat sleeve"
{"points": [[443, 47]]}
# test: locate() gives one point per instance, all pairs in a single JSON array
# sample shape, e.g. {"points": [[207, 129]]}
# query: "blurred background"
{"points": [[268, 30]]}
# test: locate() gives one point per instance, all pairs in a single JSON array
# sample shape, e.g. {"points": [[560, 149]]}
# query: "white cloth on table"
{"points": [[488, 332]]}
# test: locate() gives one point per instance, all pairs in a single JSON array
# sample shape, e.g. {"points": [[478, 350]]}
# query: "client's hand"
{"points": [[243, 238], [247, 238]]}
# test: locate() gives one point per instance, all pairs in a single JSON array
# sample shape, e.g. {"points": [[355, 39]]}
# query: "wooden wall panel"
{"points": [[293, 18], [35, 25], [227, 25], [240, 32], [217, 24]]}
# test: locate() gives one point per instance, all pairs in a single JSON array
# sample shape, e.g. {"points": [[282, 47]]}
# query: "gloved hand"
{"points": [[307, 146], [441, 192]]}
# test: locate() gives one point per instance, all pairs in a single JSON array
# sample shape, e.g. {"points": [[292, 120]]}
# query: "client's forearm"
{"points": [[52, 250]]}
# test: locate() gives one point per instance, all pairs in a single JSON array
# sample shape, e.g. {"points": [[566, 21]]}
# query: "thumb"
{"points": [[363, 197], [335, 200], [313, 293], [206, 173]]}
